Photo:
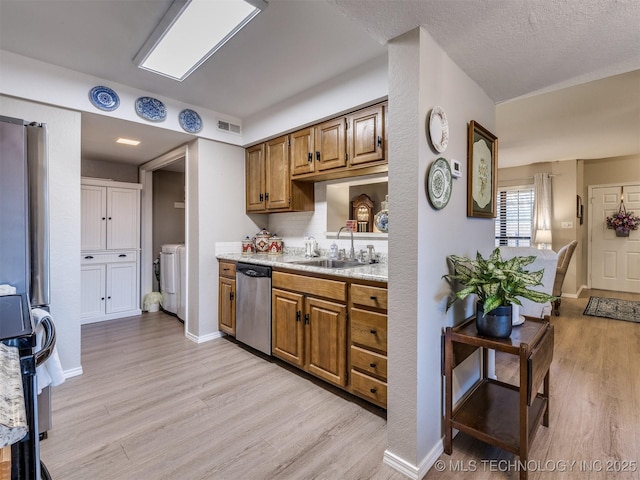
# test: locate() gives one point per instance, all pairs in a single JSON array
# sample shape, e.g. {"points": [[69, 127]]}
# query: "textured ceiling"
{"points": [[513, 48]]}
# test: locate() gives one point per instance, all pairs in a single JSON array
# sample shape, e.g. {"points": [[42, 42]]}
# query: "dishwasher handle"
{"points": [[255, 271]]}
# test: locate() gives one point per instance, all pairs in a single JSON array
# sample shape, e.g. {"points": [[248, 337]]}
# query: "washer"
{"points": [[170, 276]]}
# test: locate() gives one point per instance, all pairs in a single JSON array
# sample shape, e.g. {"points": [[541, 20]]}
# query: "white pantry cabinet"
{"points": [[110, 267], [110, 215]]}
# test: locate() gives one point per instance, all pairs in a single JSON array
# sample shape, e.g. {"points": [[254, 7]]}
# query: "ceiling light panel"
{"points": [[191, 32], [128, 141]]}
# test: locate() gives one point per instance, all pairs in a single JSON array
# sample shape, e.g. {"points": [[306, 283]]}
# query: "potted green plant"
{"points": [[498, 284]]}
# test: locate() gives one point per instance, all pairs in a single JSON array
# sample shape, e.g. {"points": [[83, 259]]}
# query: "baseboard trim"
{"points": [[408, 469], [574, 295], [73, 372], [204, 338]]}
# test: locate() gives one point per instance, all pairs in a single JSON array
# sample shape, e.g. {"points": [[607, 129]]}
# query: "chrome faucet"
{"points": [[352, 252]]}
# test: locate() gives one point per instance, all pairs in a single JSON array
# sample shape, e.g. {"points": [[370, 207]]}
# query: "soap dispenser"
{"points": [[333, 251]]}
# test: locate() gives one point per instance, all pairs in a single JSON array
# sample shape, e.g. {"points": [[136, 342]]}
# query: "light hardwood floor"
{"points": [[154, 405]]}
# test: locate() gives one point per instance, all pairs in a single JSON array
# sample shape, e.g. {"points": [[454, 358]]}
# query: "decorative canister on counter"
{"points": [[248, 247], [262, 241], [275, 245]]}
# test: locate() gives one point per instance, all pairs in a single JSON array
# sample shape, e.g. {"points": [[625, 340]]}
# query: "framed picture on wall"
{"points": [[482, 172]]}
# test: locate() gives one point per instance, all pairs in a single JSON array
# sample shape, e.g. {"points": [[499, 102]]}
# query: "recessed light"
{"points": [[191, 31], [128, 141]]}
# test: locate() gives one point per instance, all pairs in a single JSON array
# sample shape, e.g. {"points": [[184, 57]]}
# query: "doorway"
{"points": [[163, 217], [614, 262]]}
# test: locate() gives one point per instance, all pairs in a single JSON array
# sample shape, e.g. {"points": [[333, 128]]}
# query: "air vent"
{"points": [[228, 127]]}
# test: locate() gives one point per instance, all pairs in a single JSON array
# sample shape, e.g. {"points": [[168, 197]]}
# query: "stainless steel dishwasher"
{"points": [[253, 306]]}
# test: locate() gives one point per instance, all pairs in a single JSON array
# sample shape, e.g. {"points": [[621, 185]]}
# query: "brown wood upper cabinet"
{"points": [[349, 145], [366, 135], [268, 182]]}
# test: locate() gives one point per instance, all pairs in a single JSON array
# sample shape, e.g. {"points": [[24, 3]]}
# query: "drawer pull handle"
{"points": [[372, 365], [226, 269], [373, 331], [374, 298], [122, 255], [373, 390], [88, 257]]}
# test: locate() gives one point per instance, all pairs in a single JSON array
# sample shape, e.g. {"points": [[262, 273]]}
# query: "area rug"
{"points": [[613, 308]]}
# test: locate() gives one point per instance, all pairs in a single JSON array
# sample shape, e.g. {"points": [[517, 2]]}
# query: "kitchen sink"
{"points": [[330, 263]]}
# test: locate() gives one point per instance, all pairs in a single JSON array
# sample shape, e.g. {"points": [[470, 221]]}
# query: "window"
{"points": [[514, 216]]}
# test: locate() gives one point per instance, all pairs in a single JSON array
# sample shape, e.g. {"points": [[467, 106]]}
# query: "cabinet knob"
{"points": [[102, 299], [317, 156], [266, 196], [109, 218], [379, 141], [231, 295], [103, 218], [372, 365], [108, 298], [261, 197], [373, 390], [310, 157], [373, 331]]}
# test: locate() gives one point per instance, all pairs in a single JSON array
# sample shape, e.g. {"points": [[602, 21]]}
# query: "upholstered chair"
{"points": [[545, 259], [564, 257]]}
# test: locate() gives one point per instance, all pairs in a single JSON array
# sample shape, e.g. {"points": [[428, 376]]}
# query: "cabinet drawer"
{"points": [[369, 387], [374, 297], [227, 269], [318, 287], [115, 257], [369, 329], [369, 362]]}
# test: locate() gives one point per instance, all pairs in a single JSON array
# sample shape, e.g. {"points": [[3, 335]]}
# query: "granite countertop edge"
{"points": [[376, 272]]}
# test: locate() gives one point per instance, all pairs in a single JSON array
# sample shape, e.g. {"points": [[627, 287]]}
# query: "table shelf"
{"points": [[498, 413]]}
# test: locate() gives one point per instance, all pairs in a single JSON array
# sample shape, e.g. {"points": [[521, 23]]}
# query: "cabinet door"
{"points": [[255, 178], [301, 152], [123, 218], [278, 181], [92, 290], [287, 330], [93, 205], [227, 306], [330, 144], [326, 340], [122, 287], [366, 136]]}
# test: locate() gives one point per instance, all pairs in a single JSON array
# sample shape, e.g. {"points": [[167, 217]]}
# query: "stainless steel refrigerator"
{"points": [[24, 264]]}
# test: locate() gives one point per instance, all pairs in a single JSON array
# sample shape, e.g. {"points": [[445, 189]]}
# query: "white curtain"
{"points": [[542, 207]]}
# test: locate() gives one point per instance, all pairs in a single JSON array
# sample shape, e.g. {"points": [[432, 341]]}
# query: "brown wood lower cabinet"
{"points": [[368, 342], [227, 298], [310, 332]]}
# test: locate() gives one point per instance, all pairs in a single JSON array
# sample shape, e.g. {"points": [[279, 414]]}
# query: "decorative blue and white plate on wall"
{"points": [[104, 98], [151, 109], [190, 121]]}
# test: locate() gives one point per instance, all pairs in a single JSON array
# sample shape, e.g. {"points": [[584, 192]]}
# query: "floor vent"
{"points": [[228, 127]]}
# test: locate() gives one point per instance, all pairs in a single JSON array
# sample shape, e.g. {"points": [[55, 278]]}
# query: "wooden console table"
{"points": [[495, 412]]}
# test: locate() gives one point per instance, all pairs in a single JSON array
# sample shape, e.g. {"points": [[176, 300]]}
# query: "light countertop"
{"points": [[376, 272]]}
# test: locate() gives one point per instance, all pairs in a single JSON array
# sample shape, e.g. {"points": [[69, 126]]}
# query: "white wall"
{"points": [[64, 198], [422, 76], [294, 227], [364, 84], [42, 82], [216, 213]]}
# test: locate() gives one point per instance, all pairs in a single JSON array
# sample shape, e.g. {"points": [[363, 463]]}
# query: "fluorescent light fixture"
{"points": [[128, 141], [191, 31]]}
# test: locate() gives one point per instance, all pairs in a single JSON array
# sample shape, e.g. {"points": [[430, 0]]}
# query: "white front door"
{"points": [[615, 261]]}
